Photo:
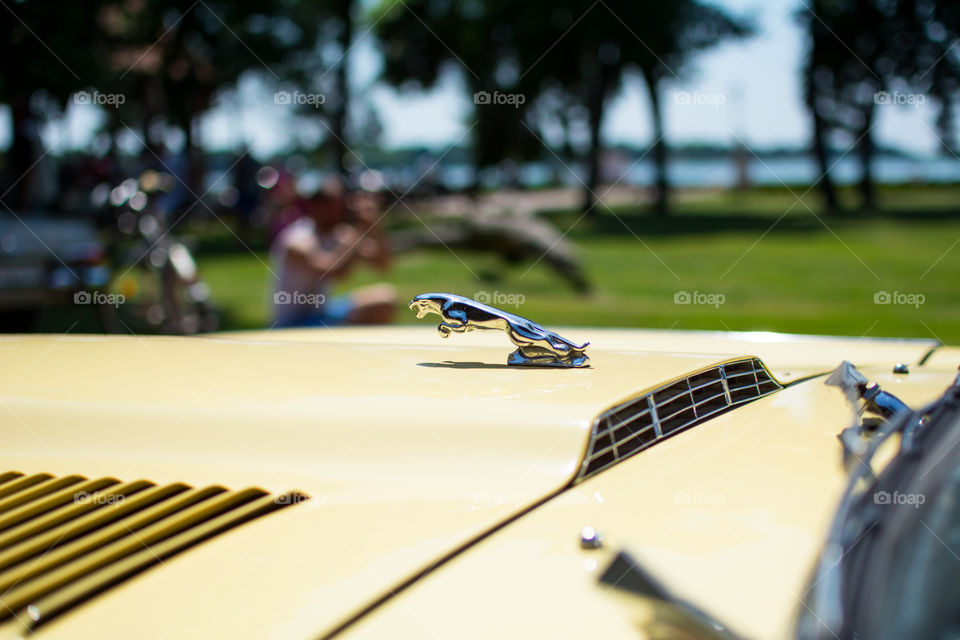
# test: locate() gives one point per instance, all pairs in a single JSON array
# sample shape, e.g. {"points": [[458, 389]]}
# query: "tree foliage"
{"points": [[867, 54]]}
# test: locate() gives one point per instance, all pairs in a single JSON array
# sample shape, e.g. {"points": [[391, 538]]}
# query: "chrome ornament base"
{"points": [[518, 359]]}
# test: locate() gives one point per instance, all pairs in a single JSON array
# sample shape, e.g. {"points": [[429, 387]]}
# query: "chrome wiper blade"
{"points": [[876, 401]]}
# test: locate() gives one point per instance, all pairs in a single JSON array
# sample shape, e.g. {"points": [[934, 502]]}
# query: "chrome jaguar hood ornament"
{"points": [[536, 346]]}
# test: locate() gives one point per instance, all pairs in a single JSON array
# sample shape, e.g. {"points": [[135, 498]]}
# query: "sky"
{"points": [[747, 91]]}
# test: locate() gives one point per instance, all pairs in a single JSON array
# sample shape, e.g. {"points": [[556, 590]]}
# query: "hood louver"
{"points": [[635, 425], [63, 540]]}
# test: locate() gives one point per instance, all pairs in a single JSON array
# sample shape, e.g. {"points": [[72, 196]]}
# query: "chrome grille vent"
{"points": [[63, 540], [635, 425]]}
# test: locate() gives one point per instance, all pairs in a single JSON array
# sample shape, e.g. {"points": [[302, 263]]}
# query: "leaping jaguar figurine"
{"points": [[536, 346]]}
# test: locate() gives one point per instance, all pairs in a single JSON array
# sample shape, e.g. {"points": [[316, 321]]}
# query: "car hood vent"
{"points": [[65, 539], [635, 425]]}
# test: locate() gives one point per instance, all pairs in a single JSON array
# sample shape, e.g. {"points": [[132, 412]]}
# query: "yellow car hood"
{"points": [[410, 446], [730, 516]]}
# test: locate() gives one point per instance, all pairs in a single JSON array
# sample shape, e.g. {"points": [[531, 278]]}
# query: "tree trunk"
{"points": [[339, 116], [661, 204], [595, 104], [865, 149], [17, 179], [821, 153], [946, 125], [818, 55]]}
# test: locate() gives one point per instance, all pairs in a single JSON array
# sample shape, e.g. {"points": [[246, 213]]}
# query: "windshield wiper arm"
{"points": [[856, 386], [875, 401]]}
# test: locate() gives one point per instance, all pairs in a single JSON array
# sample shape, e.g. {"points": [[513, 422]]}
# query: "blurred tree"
{"points": [[168, 59], [848, 60], [563, 59], [820, 51], [937, 60], [422, 39], [866, 54], [173, 57], [344, 16], [47, 46]]}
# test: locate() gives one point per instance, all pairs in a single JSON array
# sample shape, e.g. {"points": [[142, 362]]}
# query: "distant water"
{"points": [[795, 170], [722, 172]]}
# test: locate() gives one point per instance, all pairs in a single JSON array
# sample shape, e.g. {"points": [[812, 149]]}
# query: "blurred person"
{"points": [[318, 249], [281, 202], [172, 205]]}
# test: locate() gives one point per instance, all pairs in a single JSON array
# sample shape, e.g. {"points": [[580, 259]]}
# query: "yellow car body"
{"points": [[434, 489]]}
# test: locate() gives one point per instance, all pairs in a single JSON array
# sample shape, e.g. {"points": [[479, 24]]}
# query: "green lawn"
{"points": [[803, 274]]}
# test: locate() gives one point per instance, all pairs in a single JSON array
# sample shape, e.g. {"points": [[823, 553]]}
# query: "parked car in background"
{"points": [[44, 261]]}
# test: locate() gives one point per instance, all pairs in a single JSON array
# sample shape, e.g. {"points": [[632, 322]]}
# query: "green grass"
{"points": [[807, 273]]}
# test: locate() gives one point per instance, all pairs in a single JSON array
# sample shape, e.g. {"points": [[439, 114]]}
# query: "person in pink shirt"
{"points": [[311, 254]]}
